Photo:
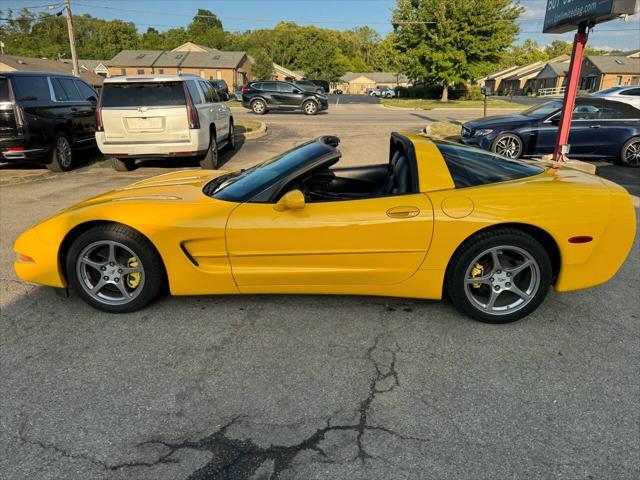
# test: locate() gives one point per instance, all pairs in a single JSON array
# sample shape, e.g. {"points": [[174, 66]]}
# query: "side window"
{"points": [[258, 86], [210, 93], [86, 91], [286, 88], [196, 98], [58, 92], [269, 86], [70, 89], [635, 92], [31, 87], [585, 112]]}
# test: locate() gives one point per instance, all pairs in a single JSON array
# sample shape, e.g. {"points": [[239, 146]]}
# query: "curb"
{"points": [[261, 131]]}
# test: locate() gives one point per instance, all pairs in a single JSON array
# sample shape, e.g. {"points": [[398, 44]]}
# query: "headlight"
{"points": [[483, 132]]}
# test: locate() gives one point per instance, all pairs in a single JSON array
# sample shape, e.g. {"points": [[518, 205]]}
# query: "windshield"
{"points": [[243, 185], [143, 94], [541, 111]]}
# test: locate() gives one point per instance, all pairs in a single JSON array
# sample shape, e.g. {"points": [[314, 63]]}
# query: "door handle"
{"points": [[403, 212]]}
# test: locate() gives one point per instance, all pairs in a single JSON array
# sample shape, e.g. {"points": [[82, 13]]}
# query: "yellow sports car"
{"points": [[439, 218]]}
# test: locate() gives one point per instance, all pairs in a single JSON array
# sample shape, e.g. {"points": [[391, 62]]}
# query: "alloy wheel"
{"points": [[258, 106], [502, 280], [508, 146], [110, 272], [631, 155], [63, 148], [310, 108]]}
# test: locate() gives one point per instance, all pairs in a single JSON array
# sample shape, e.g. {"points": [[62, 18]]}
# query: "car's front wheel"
{"points": [[630, 153], [114, 268], [61, 159], [508, 145], [499, 276], [310, 107], [259, 107]]}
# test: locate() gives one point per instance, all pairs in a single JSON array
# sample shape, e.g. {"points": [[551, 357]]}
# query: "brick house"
{"points": [[600, 72], [209, 63], [357, 83]]}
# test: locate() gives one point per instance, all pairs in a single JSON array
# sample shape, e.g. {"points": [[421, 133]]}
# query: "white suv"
{"points": [[629, 94], [149, 116]]}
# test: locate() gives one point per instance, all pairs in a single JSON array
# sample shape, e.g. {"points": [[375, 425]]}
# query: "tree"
{"points": [[262, 68], [528, 52], [206, 29], [557, 48], [444, 42]]}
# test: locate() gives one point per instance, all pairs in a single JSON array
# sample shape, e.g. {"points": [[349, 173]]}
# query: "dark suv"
{"points": [[44, 117], [265, 95]]}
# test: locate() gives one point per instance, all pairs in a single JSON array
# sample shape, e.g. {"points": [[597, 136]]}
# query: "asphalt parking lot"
{"points": [[308, 387]]}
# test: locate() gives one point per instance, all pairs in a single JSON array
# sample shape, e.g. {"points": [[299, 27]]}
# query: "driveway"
{"points": [[308, 387]]}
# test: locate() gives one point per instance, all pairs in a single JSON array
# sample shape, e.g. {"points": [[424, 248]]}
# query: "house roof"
{"points": [[500, 73], [135, 58], [90, 65], [554, 69], [376, 77], [28, 64], [616, 64], [193, 47], [177, 58], [526, 73], [297, 75]]}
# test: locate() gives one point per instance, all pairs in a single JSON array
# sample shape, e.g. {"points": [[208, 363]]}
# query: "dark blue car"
{"points": [[600, 130]]}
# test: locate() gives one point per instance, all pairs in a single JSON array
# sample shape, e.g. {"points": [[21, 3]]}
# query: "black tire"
{"points": [[517, 145], [630, 153], [310, 107], [231, 137], [210, 159], [153, 269], [61, 156], [466, 257], [123, 164], [258, 106]]}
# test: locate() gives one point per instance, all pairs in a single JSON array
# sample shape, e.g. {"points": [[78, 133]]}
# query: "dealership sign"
{"points": [[565, 15]]}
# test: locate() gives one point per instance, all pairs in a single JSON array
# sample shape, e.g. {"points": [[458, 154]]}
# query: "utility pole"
{"points": [[72, 40]]}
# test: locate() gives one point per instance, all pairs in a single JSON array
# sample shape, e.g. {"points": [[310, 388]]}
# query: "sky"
{"points": [[238, 15]]}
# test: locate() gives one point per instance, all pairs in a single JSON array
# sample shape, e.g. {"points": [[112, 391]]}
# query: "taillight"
{"points": [[18, 112], [245, 89], [192, 112]]}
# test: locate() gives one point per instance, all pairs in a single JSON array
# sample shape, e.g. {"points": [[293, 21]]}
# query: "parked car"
{"points": [[388, 92], [374, 92], [263, 96], [628, 94], [322, 83], [45, 118], [150, 116], [222, 88], [238, 93], [436, 219], [309, 85], [601, 129]]}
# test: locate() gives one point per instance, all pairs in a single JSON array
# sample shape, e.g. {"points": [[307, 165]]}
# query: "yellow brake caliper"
{"points": [[133, 279], [477, 271]]}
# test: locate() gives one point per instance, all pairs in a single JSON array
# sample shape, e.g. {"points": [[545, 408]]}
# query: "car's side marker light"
{"points": [[580, 239]]}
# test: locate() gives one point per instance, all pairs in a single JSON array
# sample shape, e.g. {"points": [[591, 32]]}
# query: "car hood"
{"points": [[181, 186], [499, 121]]}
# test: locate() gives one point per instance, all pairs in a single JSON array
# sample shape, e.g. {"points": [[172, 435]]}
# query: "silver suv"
{"points": [[150, 116]]}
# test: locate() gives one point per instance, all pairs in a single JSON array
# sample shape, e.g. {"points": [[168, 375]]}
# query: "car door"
{"points": [[583, 136], [373, 241], [288, 95], [219, 110], [89, 95], [80, 111], [206, 113]]}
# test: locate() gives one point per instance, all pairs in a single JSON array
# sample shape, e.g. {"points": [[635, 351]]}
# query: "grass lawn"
{"points": [[431, 104], [245, 126]]}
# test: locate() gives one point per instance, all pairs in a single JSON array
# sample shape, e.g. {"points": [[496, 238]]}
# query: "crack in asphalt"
{"points": [[235, 459]]}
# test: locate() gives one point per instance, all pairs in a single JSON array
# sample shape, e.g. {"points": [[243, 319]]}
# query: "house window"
{"points": [[619, 80], [161, 71], [202, 74], [179, 71], [123, 71], [140, 71], [218, 74]]}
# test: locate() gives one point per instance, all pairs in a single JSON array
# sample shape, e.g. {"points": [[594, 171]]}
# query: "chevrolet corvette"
{"points": [[439, 218]]}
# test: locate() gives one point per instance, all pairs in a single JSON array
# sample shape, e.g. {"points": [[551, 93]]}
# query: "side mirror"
{"points": [[555, 120], [292, 200]]}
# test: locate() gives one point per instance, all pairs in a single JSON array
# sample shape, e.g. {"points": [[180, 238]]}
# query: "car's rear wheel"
{"points": [[61, 159], [114, 268], [123, 164], [630, 153], [210, 159], [499, 276], [259, 107], [310, 107], [508, 145]]}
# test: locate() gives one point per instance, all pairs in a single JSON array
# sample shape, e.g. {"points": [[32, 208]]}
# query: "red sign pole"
{"points": [[573, 80]]}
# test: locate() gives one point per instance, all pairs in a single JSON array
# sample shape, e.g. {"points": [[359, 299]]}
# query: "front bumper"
{"points": [[44, 267], [480, 142]]}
